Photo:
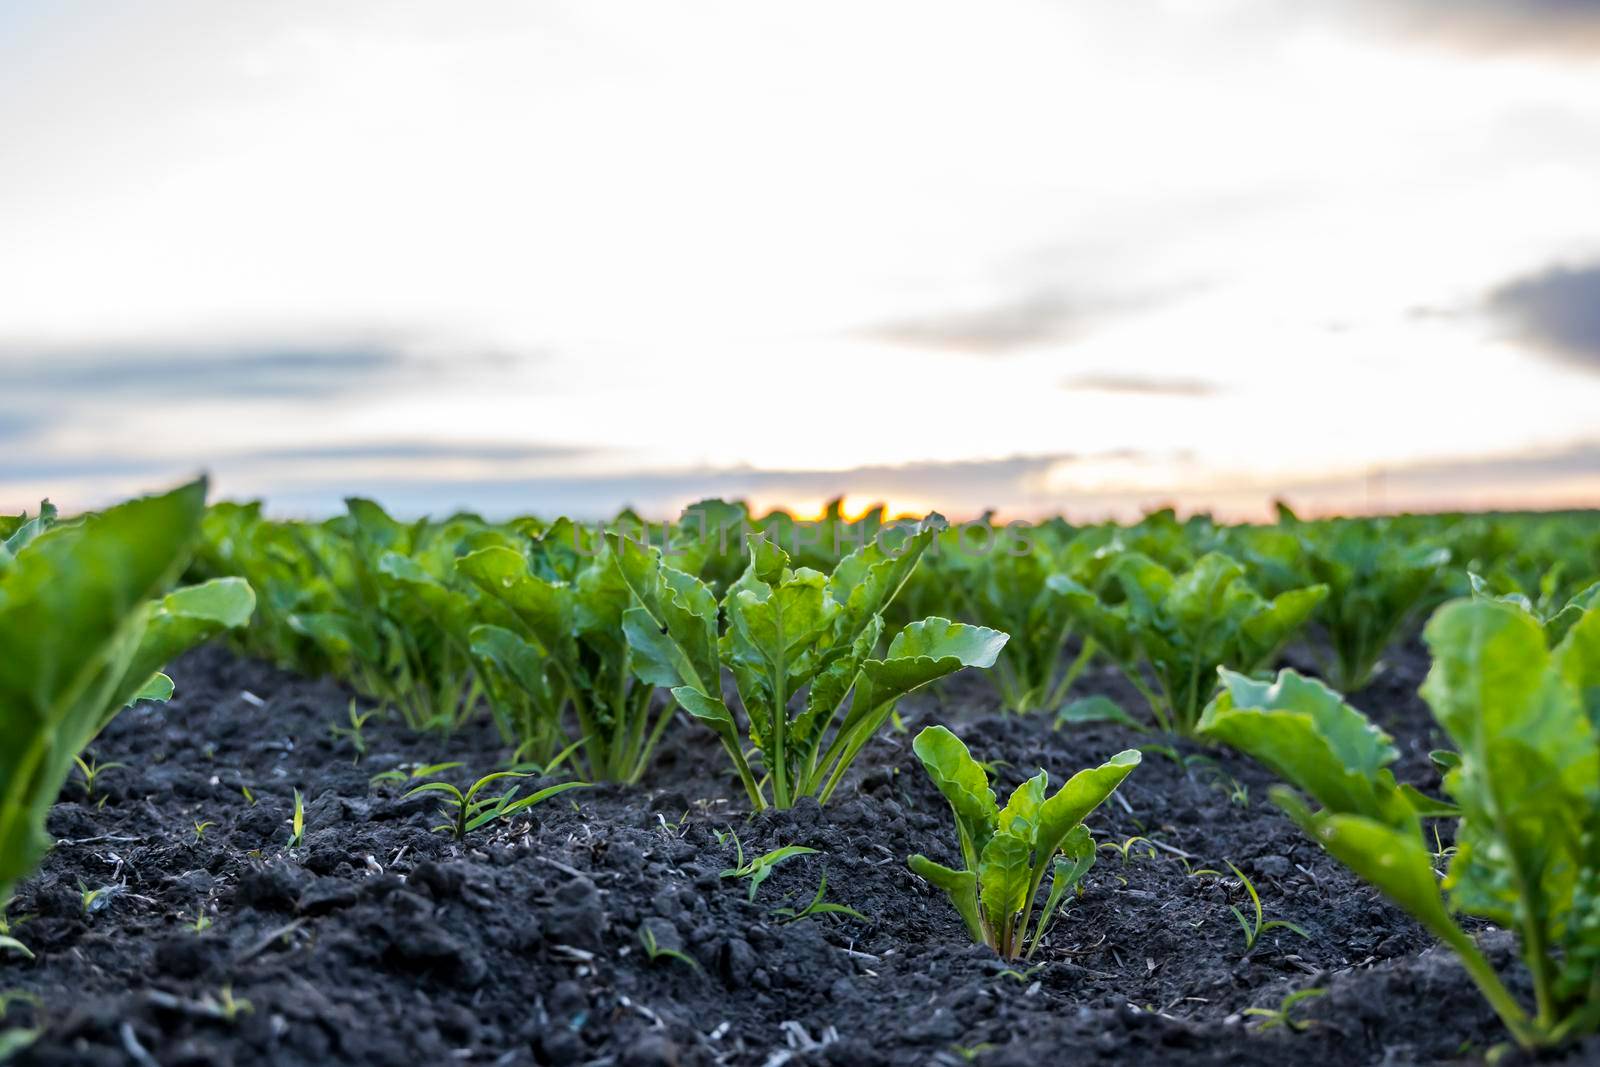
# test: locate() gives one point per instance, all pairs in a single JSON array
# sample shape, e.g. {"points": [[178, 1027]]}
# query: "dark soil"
{"points": [[378, 942]]}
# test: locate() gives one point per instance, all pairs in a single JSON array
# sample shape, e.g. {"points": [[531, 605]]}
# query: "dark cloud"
{"points": [[283, 370], [290, 465], [1554, 26], [227, 371], [411, 451], [994, 330], [1139, 385], [1557, 310]]}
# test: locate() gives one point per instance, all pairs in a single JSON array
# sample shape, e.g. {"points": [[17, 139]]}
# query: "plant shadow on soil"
{"points": [[378, 942]]}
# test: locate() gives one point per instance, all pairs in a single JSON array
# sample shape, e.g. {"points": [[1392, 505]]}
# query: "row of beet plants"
{"points": [[585, 643]]}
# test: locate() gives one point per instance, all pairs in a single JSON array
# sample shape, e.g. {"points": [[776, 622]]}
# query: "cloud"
{"points": [[409, 451], [965, 486], [421, 460], [1557, 310], [1565, 476], [1553, 26], [207, 371], [993, 330], [1139, 385], [15, 424], [281, 369]]}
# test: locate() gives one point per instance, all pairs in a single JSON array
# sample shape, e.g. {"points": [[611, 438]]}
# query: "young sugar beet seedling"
{"points": [[789, 632], [1183, 626], [1525, 782], [1006, 852], [466, 812]]}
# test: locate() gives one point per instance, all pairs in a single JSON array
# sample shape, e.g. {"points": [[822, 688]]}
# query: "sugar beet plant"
{"points": [[1525, 787], [1023, 588], [1557, 616], [85, 630], [1006, 852], [397, 618], [1182, 627], [1377, 584], [561, 648], [802, 649]]}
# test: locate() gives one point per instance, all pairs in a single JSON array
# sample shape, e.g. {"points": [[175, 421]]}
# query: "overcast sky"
{"points": [[536, 256]]}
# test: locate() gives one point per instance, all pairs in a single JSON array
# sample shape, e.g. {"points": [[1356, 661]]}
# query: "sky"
{"points": [[1054, 256]]}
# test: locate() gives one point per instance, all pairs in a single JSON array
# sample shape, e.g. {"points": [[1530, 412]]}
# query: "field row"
{"points": [[793, 643]]}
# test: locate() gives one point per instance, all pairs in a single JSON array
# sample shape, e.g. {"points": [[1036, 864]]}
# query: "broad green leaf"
{"points": [[1005, 870], [17, 539], [181, 620], [957, 775], [1527, 747], [927, 651], [73, 608], [1530, 764], [1391, 859], [544, 608], [1079, 796], [961, 886], [519, 661], [1020, 816], [701, 706], [1266, 630], [1097, 708], [1303, 732], [158, 687], [775, 626], [1578, 660]]}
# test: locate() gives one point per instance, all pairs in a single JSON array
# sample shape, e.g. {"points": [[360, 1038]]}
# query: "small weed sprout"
{"points": [[9, 997], [1254, 930], [400, 776], [655, 951], [354, 732], [465, 812], [202, 921], [759, 869], [1125, 850], [228, 1007], [95, 900], [91, 771], [1022, 976], [200, 829], [1279, 1016], [674, 829], [14, 1040], [818, 906], [297, 822], [249, 797], [8, 942]]}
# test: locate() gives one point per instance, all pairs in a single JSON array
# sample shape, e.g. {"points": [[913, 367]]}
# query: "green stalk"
{"points": [[643, 759], [779, 768], [1156, 703], [1060, 692], [1493, 990], [730, 741]]}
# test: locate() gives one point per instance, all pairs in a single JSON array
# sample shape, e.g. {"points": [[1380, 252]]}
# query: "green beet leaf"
{"points": [[1008, 852], [84, 635]]}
